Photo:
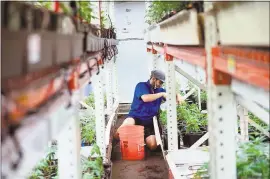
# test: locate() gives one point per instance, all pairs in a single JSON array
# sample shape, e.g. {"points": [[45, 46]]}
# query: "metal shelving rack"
{"points": [[237, 72], [58, 118]]}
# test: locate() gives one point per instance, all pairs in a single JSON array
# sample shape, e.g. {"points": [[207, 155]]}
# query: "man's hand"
{"points": [[164, 94], [179, 99]]}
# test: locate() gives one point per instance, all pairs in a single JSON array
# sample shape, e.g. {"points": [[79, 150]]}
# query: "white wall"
{"points": [[132, 60]]}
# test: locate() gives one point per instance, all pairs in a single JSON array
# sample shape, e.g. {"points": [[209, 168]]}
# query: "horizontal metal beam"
{"points": [[190, 78], [254, 108], [250, 92], [250, 70]]}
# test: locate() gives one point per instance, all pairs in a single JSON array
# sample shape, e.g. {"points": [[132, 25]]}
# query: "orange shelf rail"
{"points": [[159, 49], [28, 92], [249, 65], [193, 55]]}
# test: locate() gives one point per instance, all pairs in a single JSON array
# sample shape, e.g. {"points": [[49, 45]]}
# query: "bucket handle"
{"points": [[139, 146]]}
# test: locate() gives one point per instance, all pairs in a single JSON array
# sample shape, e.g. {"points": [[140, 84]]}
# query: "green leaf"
{"points": [[95, 150]]}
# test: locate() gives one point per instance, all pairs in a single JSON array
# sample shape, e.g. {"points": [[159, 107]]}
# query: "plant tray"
{"points": [[243, 23], [183, 29], [22, 100], [154, 34], [185, 162]]}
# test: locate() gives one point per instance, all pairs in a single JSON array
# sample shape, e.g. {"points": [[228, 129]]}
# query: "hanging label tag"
{"points": [[231, 65], [33, 48]]}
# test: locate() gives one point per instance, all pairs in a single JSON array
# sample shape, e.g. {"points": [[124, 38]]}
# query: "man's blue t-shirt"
{"points": [[145, 111]]}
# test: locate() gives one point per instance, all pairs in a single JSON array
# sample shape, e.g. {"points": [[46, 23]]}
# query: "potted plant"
{"points": [[47, 168], [252, 161], [88, 135], [192, 131], [93, 166], [193, 124], [203, 96], [87, 125], [160, 10], [253, 132]]}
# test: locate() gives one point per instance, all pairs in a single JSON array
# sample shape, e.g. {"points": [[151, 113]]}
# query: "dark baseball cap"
{"points": [[159, 75]]}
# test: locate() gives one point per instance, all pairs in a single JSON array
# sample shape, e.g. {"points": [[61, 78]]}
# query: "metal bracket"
{"points": [[190, 78]]}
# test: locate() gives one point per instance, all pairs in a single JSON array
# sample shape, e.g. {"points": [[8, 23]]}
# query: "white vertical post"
{"points": [[154, 61], [109, 88], [99, 112], [199, 98], [115, 80], [198, 88], [171, 109], [69, 142], [222, 115], [210, 41], [243, 123], [225, 118]]}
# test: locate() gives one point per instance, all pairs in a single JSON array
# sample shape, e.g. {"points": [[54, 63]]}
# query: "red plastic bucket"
{"points": [[132, 142], [170, 174]]}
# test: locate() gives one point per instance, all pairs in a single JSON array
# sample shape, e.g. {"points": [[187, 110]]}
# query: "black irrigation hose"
{"points": [[89, 70], [105, 50], [11, 131], [110, 54], [97, 66]]}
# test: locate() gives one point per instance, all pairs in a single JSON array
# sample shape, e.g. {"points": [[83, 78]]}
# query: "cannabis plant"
{"points": [[252, 161], [93, 166], [158, 9]]}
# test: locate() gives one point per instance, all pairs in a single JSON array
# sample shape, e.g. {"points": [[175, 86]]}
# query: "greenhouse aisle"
{"points": [[153, 167]]}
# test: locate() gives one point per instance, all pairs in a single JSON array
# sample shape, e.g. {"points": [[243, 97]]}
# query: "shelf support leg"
{"points": [[109, 87], [99, 113], [171, 110], [199, 98], [243, 123], [154, 61], [69, 144], [115, 81], [222, 114], [224, 120]]}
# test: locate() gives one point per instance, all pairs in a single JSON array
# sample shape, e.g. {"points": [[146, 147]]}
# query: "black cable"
{"points": [[105, 50]]}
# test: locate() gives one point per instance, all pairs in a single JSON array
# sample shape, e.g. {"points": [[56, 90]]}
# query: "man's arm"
{"points": [[153, 97], [179, 98], [142, 92]]}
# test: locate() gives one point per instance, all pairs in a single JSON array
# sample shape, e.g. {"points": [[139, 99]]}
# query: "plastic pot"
{"points": [[190, 138], [203, 105]]}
